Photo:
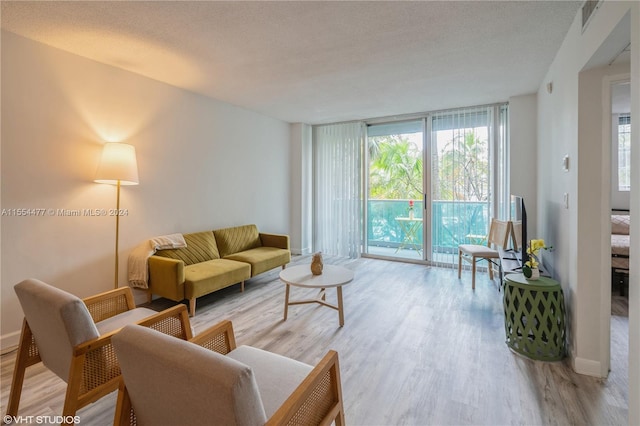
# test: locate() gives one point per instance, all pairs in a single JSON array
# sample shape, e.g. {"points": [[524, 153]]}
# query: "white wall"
{"points": [[570, 121], [202, 163], [523, 155], [301, 189]]}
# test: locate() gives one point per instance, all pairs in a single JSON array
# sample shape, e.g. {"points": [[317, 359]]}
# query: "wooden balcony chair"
{"points": [[498, 237], [209, 380], [72, 338]]}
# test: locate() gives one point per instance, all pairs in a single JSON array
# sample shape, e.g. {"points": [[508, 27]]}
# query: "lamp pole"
{"points": [[115, 285], [118, 166]]}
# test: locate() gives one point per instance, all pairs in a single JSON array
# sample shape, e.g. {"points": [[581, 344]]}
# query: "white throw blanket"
{"points": [[138, 268]]}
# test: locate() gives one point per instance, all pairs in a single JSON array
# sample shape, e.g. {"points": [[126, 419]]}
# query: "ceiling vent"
{"points": [[588, 10]]}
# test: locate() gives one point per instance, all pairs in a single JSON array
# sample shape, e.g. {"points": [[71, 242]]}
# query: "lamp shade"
{"points": [[118, 163]]}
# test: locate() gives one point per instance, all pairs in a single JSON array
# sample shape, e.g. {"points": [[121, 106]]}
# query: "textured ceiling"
{"points": [[315, 62]]}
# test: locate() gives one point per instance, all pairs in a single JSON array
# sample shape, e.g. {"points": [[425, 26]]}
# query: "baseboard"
{"points": [[9, 342], [301, 251], [587, 367]]}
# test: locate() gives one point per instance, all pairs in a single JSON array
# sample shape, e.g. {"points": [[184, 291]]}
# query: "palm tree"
{"points": [[395, 168], [464, 169]]}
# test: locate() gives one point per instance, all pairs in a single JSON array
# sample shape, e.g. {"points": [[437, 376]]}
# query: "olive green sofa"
{"points": [[213, 260]]}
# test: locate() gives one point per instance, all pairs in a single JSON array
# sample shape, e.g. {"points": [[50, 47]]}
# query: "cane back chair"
{"points": [[72, 338], [208, 380]]}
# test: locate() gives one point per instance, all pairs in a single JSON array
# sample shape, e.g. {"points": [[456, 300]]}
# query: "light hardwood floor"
{"points": [[418, 347]]}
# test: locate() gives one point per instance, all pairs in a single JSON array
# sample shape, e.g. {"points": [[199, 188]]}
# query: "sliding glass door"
{"points": [[455, 161], [394, 204], [461, 180]]}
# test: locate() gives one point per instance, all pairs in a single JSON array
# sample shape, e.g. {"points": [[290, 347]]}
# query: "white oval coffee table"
{"points": [[301, 276]]}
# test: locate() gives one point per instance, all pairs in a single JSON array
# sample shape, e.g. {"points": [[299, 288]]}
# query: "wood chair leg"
{"points": [[473, 273], [19, 370], [123, 406], [337, 390], [71, 403], [490, 266]]}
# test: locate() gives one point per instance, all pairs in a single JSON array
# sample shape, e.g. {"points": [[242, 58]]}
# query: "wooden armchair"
{"points": [[72, 337], [208, 380]]}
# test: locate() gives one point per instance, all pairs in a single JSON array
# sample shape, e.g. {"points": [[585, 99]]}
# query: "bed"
{"points": [[620, 250]]}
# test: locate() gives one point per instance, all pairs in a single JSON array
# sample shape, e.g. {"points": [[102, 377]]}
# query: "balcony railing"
{"points": [[454, 223]]}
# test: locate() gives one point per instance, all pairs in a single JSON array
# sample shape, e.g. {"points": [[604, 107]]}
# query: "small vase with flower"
{"points": [[530, 269]]}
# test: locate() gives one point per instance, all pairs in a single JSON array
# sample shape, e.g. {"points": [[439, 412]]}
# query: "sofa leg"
{"points": [[242, 287], [149, 296], [284, 266], [192, 307]]}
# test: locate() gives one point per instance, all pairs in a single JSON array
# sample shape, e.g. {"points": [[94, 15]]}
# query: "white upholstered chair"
{"points": [[499, 233], [209, 380], [72, 338]]}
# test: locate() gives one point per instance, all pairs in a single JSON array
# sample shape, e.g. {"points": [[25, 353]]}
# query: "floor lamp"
{"points": [[118, 167]]}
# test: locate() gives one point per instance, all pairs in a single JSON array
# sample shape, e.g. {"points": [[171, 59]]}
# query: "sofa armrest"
{"points": [[110, 303], [318, 399], [166, 277], [275, 240], [218, 338]]}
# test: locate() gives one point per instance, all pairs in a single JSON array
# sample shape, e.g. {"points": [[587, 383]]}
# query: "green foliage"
{"points": [[395, 169], [464, 169]]}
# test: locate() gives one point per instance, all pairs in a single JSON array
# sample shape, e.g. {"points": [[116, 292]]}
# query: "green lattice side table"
{"points": [[534, 317]]}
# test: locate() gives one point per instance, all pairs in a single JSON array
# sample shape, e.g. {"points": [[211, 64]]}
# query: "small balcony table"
{"points": [[410, 227]]}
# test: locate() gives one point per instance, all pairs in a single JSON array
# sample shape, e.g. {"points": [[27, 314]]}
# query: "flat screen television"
{"points": [[519, 220]]}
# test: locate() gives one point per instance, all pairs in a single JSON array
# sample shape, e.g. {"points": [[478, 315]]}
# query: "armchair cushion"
{"points": [[58, 320], [124, 318], [276, 375], [201, 386]]}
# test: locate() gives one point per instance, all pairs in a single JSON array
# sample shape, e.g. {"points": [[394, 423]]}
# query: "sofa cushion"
{"points": [[236, 239], [262, 258], [205, 277], [201, 247], [620, 224]]}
